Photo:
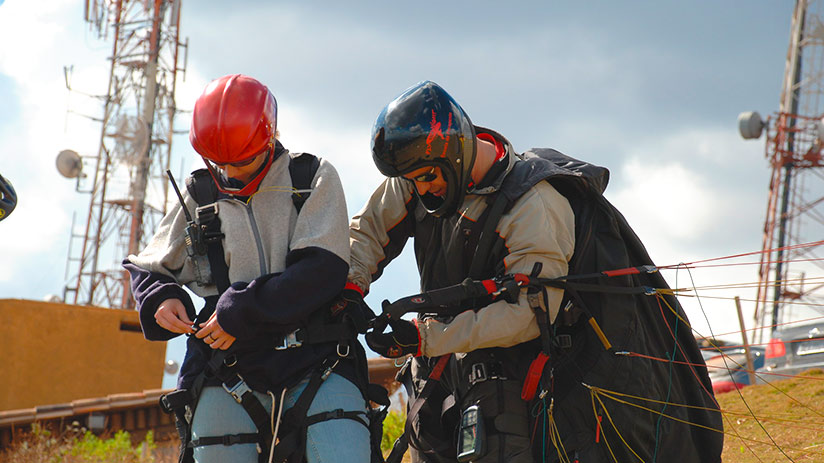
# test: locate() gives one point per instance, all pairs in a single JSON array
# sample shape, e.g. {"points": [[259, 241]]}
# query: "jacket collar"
{"points": [[509, 158]]}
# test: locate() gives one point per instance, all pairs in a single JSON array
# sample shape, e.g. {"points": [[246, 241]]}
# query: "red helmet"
{"points": [[234, 120]]}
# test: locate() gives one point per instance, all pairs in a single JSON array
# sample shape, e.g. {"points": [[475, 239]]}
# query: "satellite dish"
{"points": [[750, 125], [170, 367], [53, 298], [69, 164], [131, 139]]}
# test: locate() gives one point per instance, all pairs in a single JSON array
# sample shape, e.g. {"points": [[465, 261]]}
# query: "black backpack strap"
{"points": [[487, 239], [402, 442], [302, 169], [202, 189]]}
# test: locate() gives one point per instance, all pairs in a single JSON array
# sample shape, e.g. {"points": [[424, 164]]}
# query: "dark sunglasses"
{"points": [[243, 163], [425, 178]]}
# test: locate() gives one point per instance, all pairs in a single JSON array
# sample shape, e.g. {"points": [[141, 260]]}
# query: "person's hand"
{"points": [[404, 339], [213, 335], [351, 306], [171, 315]]}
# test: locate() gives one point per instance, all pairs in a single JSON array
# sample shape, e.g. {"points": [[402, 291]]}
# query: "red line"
{"points": [[763, 251], [694, 373], [658, 359], [623, 271], [769, 326]]}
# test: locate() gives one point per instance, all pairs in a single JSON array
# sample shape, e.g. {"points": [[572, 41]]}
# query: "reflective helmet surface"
{"points": [[422, 127], [233, 120], [8, 198]]}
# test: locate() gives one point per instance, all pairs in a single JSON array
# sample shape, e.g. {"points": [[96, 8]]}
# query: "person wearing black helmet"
{"points": [[496, 372], [8, 198], [442, 170]]}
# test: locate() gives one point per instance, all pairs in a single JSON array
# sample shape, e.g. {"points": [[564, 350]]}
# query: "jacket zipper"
{"points": [[256, 233]]}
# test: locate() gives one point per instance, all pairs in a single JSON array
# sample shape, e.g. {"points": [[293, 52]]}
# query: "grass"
{"points": [[782, 421], [77, 445]]}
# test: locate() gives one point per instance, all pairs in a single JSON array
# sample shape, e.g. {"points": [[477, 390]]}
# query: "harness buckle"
{"points": [[343, 354], [289, 341], [238, 389], [480, 373], [564, 341], [206, 214]]}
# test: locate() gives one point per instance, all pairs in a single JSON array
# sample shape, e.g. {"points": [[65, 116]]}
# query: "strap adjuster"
{"points": [[238, 389], [289, 341], [481, 372], [206, 214]]}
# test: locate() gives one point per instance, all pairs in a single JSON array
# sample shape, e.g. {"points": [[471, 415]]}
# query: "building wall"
{"points": [[56, 353]]}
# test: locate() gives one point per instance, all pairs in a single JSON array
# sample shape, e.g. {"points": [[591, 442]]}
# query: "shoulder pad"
{"points": [[201, 187], [302, 169]]}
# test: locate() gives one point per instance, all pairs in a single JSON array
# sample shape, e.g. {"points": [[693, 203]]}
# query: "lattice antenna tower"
{"points": [[125, 179], [790, 282]]}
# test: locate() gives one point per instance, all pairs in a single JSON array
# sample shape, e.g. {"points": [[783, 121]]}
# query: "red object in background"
{"points": [[719, 387], [775, 349]]}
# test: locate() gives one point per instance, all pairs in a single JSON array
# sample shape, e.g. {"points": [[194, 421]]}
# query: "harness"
{"points": [[205, 246], [537, 374], [574, 350]]}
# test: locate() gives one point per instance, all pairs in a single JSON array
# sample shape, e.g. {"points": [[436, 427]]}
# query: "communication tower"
{"points": [[795, 205], [125, 179]]}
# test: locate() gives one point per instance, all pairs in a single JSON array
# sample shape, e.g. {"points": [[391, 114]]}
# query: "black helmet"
{"points": [[422, 127], [8, 198]]}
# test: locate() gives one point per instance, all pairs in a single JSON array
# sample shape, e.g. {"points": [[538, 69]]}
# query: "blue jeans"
{"points": [[337, 440]]}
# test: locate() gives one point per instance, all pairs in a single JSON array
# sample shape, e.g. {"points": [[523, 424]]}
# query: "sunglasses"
{"points": [[242, 163], [426, 177]]}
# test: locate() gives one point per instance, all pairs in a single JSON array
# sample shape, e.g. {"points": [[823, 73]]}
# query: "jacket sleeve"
{"points": [[158, 272], [315, 270], [149, 290], [540, 227], [378, 233]]}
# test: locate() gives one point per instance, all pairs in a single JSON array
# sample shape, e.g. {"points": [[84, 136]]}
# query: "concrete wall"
{"points": [[55, 353]]}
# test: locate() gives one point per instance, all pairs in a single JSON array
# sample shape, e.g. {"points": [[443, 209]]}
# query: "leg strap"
{"points": [[228, 439], [336, 415], [291, 444]]}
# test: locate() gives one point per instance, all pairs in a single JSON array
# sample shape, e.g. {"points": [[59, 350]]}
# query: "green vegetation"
{"points": [[392, 428], [778, 422], [75, 445]]}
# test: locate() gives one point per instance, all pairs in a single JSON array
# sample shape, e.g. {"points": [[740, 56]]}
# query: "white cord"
{"points": [[276, 424]]}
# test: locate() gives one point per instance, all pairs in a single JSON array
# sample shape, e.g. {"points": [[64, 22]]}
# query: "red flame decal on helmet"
{"points": [[435, 131]]}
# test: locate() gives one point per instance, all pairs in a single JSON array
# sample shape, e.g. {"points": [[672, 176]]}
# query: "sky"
{"points": [[649, 89]]}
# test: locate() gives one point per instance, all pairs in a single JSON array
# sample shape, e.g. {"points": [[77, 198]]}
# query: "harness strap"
{"points": [[402, 442], [291, 444], [302, 169], [221, 364], [316, 334], [487, 237], [228, 439], [336, 415]]}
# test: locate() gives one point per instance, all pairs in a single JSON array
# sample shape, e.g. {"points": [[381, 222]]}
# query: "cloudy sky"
{"points": [[649, 89]]}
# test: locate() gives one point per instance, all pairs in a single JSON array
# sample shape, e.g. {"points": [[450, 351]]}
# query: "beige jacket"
{"points": [[540, 227]]}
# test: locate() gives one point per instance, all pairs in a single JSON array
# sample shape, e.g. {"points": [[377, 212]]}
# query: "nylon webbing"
{"points": [[487, 237]]}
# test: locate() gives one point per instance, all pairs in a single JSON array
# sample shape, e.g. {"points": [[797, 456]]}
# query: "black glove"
{"points": [[404, 339], [351, 306]]}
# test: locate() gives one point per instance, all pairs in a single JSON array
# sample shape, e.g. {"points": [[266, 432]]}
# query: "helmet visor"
{"points": [[444, 203], [250, 179]]}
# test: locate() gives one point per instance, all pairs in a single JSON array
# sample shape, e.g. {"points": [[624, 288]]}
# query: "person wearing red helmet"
{"points": [[266, 354]]}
